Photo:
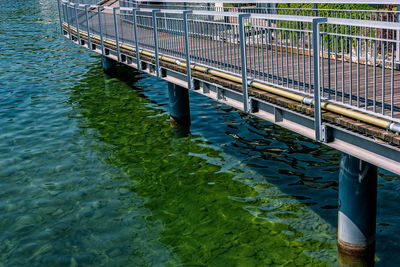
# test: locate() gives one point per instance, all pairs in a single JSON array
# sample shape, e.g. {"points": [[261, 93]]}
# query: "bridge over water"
{"points": [[329, 74]]}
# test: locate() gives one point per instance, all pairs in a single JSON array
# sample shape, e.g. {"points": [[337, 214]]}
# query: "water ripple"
{"points": [[92, 174]]}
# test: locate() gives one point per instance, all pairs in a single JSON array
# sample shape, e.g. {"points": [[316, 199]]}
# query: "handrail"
{"points": [[363, 23], [377, 2], [347, 22]]}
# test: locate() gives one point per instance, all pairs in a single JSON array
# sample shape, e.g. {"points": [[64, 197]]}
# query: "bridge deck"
{"points": [[284, 69]]}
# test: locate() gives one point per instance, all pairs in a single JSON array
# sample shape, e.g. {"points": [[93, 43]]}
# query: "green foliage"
{"points": [[329, 6], [230, 5], [331, 11]]}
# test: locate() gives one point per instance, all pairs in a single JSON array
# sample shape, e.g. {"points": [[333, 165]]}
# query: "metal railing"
{"points": [[379, 13], [86, 2], [351, 61]]}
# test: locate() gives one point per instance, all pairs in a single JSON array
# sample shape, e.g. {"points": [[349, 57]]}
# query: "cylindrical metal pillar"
{"points": [[108, 64], [357, 210], [179, 105]]}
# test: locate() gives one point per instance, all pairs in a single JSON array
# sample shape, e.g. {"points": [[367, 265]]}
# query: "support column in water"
{"points": [[108, 64], [357, 211], [179, 105]]}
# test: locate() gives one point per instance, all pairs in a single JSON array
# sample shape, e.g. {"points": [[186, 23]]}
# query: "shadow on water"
{"points": [[213, 210], [234, 191]]}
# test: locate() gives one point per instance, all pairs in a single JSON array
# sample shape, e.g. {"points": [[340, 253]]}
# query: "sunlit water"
{"points": [[91, 173]]}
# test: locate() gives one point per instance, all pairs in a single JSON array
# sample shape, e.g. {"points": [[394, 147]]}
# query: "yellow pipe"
{"points": [[356, 115], [225, 76], [200, 68], [124, 47], [278, 91], [290, 95], [146, 53]]}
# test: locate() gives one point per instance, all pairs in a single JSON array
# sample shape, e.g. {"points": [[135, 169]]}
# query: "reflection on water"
{"points": [[92, 173]]}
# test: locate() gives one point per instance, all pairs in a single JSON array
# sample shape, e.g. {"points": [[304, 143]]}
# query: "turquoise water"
{"points": [[91, 173]]}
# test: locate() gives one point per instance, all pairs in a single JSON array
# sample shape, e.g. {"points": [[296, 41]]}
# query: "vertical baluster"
{"points": [[291, 55], [383, 76], [262, 52], [267, 49], [287, 58], [303, 50], [310, 58], [155, 33], [343, 65], [397, 38], [358, 71], [392, 85], [336, 67], [322, 46], [351, 69], [366, 74], [281, 52], [329, 65], [225, 44], [259, 64], [374, 76]]}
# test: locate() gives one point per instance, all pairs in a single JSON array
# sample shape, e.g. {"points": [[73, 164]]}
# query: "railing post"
{"points": [[99, 8], [243, 57], [398, 39], [68, 22], [154, 15], [136, 38], [319, 129], [188, 63], [116, 33], [77, 23], [88, 27], [59, 14]]}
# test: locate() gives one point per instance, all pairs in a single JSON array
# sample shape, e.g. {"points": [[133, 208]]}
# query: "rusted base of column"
{"points": [[177, 122], [179, 130], [355, 255]]}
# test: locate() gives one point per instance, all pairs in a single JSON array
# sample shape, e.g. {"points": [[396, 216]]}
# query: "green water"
{"points": [[92, 174]]}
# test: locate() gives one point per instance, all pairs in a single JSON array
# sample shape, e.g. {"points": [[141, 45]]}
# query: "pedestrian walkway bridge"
{"points": [[262, 60], [332, 75]]}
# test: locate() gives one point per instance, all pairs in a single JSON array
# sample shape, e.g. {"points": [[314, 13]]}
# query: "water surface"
{"points": [[92, 173]]}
